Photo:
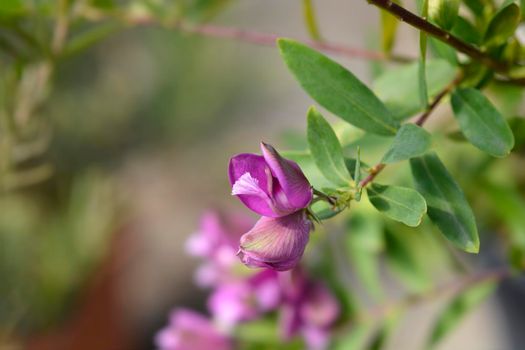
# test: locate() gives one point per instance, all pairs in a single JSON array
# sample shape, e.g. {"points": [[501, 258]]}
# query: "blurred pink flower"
{"points": [[309, 309], [189, 330], [246, 299], [217, 242]]}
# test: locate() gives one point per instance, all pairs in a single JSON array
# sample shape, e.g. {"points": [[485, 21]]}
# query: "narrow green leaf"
{"points": [[443, 12], [336, 89], [399, 89], [351, 165], [410, 141], [481, 123], [325, 149], [503, 25], [310, 20], [447, 205], [457, 309], [398, 203], [389, 24], [422, 72]]}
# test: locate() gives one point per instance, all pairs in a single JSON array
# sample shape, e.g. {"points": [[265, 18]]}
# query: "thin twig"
{"points": [[264, 39], [372, 174], [440, 34], [453, 287], [423, 118], [375, 170]]}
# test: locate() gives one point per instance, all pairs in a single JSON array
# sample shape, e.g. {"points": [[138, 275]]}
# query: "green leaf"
{"points": [[403, 261], [336, 89], [447, 205], [399, 88], [389, 24], [410, 141], [11, 7], [398, 203], [310, 20], [325, 149], [503, 25], [481, 123], [443, 12], [443, 51], [365, 241], [309, 168], [324, 211], [457, 309], [422, 71], [463, 29]]}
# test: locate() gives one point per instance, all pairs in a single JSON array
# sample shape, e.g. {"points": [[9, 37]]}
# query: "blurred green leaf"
{"points": [[422, 71], [399, 89], [389, 24], [447, 205], [410, 141], [310, 19], [442, 51], [464, 30], [326, 149], [481, 123], [355, 338], [398, 203], [309, 168], [509, 206], [11, 7], [336, 89], [403, 261], [380, 339], [503, 25], [365, 241], [457, 309], [443, 12], [476, 7]]}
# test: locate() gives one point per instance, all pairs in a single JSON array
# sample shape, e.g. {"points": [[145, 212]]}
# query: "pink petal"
{"points": [[296, 188], [258, 170], [276, 243]]}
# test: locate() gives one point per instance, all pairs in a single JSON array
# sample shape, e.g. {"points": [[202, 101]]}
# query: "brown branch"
{"points": [[374, 171], [372, 174], [423, 118], [440, 34]]}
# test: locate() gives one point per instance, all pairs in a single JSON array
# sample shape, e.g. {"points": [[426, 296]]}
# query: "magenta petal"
{"points": [[256, 167], [276, 243], [296, 188]]}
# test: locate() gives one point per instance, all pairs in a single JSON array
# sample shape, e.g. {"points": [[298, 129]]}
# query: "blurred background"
{"points": [[127, 145]]}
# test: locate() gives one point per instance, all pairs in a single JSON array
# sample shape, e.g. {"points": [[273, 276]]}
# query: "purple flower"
{"points": [[269, 184], [217, 242], [246, 299], [309, 309], [189, 330], [277, 189]]}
